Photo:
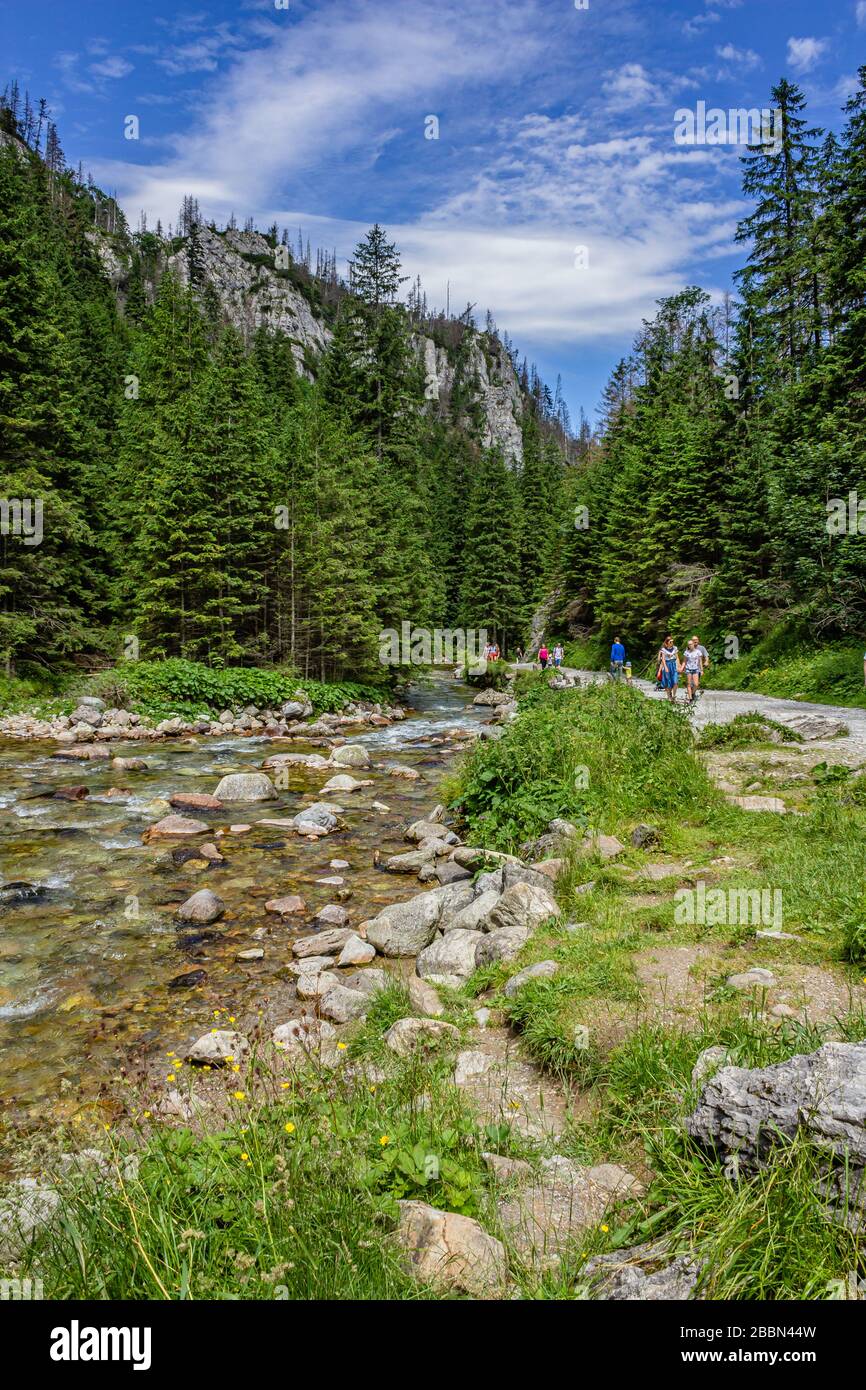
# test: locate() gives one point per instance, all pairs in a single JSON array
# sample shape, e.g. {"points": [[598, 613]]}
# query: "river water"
{"points": [[89, 946]]}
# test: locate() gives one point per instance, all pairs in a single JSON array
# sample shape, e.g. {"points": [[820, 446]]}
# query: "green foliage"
{"points": [[175, 682], [745, 729], [593, 756], [789, 669]]}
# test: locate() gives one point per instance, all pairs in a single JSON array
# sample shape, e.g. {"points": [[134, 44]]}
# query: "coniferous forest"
{"points": [[216, 499]]}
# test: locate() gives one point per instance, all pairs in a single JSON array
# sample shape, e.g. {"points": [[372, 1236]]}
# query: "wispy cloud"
{"points": [[803, 54]]}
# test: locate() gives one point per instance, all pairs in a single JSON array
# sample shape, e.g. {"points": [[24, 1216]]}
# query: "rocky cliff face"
{"points": [[254, 293], [498, 388]]}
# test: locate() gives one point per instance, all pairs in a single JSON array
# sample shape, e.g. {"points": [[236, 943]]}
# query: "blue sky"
{"points": [[555, 132]]}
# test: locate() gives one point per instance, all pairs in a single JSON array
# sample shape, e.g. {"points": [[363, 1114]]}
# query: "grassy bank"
{"points": [[287, 1188], [188, 688]]}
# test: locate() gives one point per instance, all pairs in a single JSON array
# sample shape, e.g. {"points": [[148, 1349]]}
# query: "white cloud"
{"points": [[629, 86], [860, 13], [111, 67], [743, 58], [803, 54]]}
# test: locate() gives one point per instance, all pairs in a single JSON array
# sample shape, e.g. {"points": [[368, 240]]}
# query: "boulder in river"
{"points": [[175, 826], [350, 755], [194, 801], [332, 916], [284, 907], [129, 764], [318, 817], [324, 943], [76, 793], [203, 908], [343, 782], [245, 786]]}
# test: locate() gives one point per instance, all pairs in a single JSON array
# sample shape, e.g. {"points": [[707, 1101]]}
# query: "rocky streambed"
{"points": [[142, 891]]}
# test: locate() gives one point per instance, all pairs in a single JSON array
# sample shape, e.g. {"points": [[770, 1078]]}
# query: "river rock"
{"points": [[421, 830], [400, 770], [314, 761], [203, 908], [310, 965], [284, 907], [77, 793], [253, 953], [332, 916], [531, 875], [503, 944], [543, 970], [319, 818], [301, 1038], [357, 952], [86, 714], [410, 863], [419, 1034], [245, 786], [175, 826], [88, 752], [324, 943], [476, 915], [451, 1251], [194, 801], [316, 984], [404, 929], [350, 755], [522, 905], [130, 764], [492, 697], [343, 782], [217, 1047], [452, 954], [451, 873]]}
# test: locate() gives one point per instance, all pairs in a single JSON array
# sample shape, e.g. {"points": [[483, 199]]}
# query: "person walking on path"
{"points": [[705, 656], [669, 667], [617, 659], [543, 656], [693, 665], [558, 654]]}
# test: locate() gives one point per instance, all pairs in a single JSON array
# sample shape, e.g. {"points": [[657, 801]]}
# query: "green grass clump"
{"points": [[596, 756], [746, 729], [777, 666]]}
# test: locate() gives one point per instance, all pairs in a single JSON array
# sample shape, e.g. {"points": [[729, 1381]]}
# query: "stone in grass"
{"points": [[749, 979], [646, 1273], [450, 1251], [26, 1208], [284, 907], [245, 786], [301, 1038], [202, 908], [357, 952], [343, 1005], [708, 1062], [217, 1047], [470, 1065], [316, 984], [543, 970], [410, 1035], [505, 944], [644, 835], [522, 905], [423, 998]]}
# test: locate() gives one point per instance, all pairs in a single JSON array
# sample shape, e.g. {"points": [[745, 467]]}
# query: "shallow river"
{"points": [[90, 948]]}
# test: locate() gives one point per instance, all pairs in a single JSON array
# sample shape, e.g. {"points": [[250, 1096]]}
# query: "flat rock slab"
{"points": [[759, 803], [195, 801], [511, 1089], [175, 827]]}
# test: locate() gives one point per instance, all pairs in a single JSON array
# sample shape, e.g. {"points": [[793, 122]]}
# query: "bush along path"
{"points": [[613, 1049]]}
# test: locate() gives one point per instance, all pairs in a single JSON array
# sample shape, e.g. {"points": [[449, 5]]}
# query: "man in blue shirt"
{"points": [[617, 659]]}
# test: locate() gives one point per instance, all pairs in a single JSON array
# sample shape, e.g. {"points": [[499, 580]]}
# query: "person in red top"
{"points": [[543, 656]]}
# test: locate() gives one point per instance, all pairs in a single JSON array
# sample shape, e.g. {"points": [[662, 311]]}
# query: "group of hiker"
{"points": [[670, 665], [545, 658]]}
